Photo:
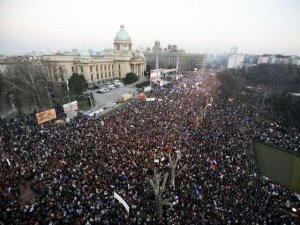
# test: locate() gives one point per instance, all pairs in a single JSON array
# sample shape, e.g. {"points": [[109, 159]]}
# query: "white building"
{"points": [[97, 68], [280, 59], [235, 61]]}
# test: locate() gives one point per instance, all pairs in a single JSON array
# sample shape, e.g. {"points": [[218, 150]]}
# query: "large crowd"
{"points": [[74, 169]]}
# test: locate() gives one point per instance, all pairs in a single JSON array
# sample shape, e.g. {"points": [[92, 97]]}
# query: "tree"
{"points": [[130, 78], [25, 80], [230, 83], [77, 84], [159, 189], [287, 77], [173, 165]]}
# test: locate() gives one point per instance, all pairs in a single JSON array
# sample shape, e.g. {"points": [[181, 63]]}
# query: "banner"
{"points": [[45, 116], [147, 89], [150, 99], [121, 200], [96, 112], [71, 106]]}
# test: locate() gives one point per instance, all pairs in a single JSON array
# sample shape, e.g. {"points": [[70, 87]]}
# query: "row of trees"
{"points": [[283, 76], [274, 83], [25, 85]]}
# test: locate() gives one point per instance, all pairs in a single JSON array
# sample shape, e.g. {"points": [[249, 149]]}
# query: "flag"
{"points": [[67, 85], [195, 192], [121, 200], [213, 165]]}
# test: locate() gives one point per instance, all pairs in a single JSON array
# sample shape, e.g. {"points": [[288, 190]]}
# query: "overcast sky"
{"points": [[211, 26]]}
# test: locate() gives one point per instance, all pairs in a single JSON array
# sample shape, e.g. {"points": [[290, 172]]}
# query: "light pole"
{"points": [[67, 83], [91, 101]]}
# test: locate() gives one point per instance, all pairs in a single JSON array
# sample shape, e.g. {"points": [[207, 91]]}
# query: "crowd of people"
{"points": [[74, 169]]}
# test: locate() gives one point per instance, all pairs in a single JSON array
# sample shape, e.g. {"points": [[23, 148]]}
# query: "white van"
{"points": [[111, 86]]}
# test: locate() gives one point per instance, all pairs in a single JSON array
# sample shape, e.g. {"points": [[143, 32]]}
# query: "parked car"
{"points": [[116, 81], [119, 85], [93, 88], [111, 87], [102, 90]]}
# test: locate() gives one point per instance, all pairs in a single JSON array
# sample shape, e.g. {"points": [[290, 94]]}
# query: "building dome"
{"points": [[122, 35], [84, 56], [47, 52]]}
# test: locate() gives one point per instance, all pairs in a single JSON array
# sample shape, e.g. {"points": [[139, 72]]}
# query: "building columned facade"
{"points": [[97, 68], [168, 58]]}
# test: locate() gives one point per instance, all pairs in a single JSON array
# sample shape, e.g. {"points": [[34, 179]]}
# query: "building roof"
{"points": [[122, 35], [84, 55]]}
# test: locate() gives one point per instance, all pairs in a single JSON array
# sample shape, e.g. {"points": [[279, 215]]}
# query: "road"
{"points": [[109, 98]]}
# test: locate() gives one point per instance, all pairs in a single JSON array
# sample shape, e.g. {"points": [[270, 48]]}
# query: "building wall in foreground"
{"points": [[279, 165]]}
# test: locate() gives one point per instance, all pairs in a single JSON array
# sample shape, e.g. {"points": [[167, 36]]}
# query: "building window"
{"points": [[92, 77], [101, 67], [105, 75], [72, 69], [104, 67], [108, 67], [97, 68], [119, 67], [109, 74], [112, 67], [76, 69], [101, 75], [97, 76], [81, 68], [91, 68]]}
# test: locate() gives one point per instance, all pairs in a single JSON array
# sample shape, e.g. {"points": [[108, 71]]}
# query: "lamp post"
{"points": [[67, 83]]}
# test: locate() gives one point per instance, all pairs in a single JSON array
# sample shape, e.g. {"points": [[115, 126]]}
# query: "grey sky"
{"points": [[262, 26]]}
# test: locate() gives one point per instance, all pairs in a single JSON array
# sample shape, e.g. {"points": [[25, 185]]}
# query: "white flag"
{"points": [[67, 85], [121, 200]]}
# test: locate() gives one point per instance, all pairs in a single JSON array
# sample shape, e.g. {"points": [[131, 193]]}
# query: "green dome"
{"points": [[122, 35], [84, 56]]}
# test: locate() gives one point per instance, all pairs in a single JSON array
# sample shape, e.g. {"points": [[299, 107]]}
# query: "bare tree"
{"points": [[173, 165], [159, 189], [28, 80]]}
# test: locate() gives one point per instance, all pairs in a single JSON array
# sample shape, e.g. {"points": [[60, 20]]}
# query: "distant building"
{"points": [[168, 57], [234, 50], [97, 68], [279, 59], [235, 61]]}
